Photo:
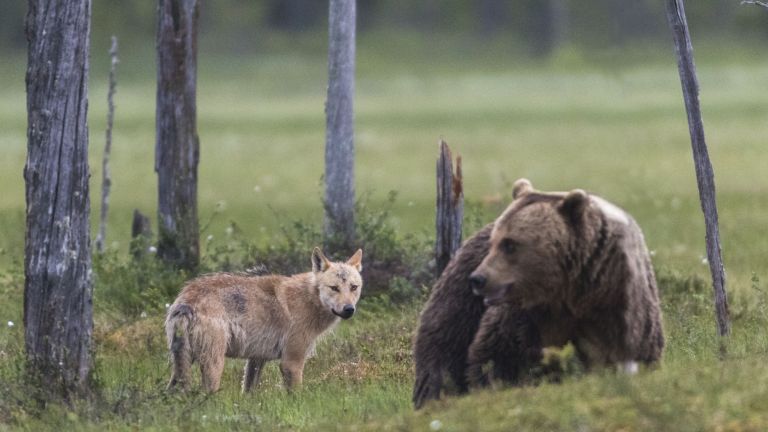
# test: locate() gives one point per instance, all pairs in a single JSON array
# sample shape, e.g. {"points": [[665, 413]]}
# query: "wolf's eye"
{"points": [[508, 246], [353, 288], [334, 287]]}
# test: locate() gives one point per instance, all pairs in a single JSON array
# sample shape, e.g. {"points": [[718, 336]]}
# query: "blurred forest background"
{"points": [[536, 26]]}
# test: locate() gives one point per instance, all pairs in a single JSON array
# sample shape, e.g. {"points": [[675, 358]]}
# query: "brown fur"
{"points": [[449, 322], [258, 318], [584, 277], [580, 264], [507, 338], [449, 325]]}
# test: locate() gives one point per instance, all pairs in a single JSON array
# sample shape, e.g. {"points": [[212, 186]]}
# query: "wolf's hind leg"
{"points": [[252, 375], [177, 332], [181, 364], [211, 371]]}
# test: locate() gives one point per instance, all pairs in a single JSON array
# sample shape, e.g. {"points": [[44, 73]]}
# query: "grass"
{"points": [[614, 125]]}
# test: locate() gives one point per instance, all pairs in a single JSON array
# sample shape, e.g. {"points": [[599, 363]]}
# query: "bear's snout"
{"points": [[477, 283]]}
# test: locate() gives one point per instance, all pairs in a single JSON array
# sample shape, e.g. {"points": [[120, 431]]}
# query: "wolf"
{"points": [[258, 318]]}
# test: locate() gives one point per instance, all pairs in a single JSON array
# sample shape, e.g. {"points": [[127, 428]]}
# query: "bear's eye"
{"points": [[508, 246], [334, 287], [353, 288]]}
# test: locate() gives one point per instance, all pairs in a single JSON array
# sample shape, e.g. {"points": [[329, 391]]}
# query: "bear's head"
{"points": [[529, 260]]}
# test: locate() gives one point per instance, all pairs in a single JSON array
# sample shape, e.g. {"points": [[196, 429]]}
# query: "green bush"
{"points": [[396, 268]]}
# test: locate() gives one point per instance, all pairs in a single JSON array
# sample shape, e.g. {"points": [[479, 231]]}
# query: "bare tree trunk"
{"points": [[339, 132], [177, 150], [106, 181], [450, 208], [705, 176], [58, 315]]}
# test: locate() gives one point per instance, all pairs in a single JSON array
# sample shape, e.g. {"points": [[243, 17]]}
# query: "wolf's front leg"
{"points": [[292, 362], [293, 373], [253, 367]]}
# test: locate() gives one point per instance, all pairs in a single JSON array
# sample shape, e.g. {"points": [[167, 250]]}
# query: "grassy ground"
{"points": [[614, 125]]}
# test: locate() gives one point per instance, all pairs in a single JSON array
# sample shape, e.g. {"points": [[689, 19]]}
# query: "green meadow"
{"points": [[612, 123]]}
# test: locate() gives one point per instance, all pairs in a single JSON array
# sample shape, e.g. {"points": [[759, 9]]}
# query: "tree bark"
{"points": [[106, 182], [450, 208], [704, 174], [58, 313], [339, 134], [177, 150]]}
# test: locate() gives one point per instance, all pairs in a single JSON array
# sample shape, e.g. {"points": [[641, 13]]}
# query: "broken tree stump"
{"points": [[141, 234], [450, 208]]}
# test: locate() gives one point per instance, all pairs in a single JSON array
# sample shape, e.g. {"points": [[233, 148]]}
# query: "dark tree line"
{"points": [[587, 22]]}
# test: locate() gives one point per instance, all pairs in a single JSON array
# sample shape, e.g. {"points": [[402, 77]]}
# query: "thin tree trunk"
{"points": [[450, 208], [339, 134], [106, 181], [177, 150], [58, 315], [704, 174]]}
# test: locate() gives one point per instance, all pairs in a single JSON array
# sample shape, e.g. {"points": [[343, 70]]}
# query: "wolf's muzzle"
{"points": [[346, 312]]}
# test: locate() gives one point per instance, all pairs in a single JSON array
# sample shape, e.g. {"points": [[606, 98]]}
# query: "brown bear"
{"points": [[554, 268], [449, 323], [579, 265]]}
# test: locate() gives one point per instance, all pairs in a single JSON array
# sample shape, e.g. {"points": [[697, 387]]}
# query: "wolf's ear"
{"points": [[521, 187], [574, 204], [319, 262], [357, 260]]}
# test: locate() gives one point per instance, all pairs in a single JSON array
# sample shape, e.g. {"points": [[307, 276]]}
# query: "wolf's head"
{"points": [[338, 283]]}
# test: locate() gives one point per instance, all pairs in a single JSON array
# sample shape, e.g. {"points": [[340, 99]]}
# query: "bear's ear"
{"points": [[521, 187], [574, 204], [319, 262]]}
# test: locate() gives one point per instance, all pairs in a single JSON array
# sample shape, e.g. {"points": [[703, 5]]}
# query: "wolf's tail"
{"points": [[177, 328]]}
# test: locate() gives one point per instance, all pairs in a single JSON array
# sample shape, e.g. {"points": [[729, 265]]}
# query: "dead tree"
{"points": [[58, 314], [177, 148], [141, 234], [106, 182], [705, 176], [339, 124], [450, 208]]}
